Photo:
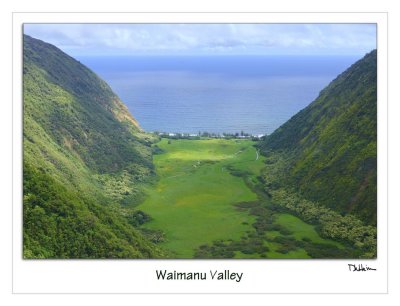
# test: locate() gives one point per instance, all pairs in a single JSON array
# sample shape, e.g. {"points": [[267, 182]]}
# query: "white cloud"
{"points": [[80, 39]]}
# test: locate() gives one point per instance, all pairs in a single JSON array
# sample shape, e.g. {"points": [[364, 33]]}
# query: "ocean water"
{"points": [[219, 94]]}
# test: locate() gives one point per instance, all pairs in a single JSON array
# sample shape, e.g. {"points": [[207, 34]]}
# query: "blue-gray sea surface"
{"points": [[218, 94]]}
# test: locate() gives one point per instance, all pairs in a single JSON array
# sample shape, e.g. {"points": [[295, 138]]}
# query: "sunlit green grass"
{"points": [[193, 202], [295, 254], [302, 230]]}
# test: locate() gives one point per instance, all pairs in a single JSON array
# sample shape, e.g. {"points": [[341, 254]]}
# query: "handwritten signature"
{"points": [[360, 268]]}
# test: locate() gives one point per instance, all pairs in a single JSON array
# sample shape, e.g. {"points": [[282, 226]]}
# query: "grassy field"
{"points": [[193, 202], [302, 230]]}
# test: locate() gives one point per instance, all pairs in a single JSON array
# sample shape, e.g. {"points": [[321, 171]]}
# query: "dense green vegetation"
{"points": [[96, 186], [322, 164], [209, 202], [85, 159], [329, 148], [59, 223], [193, 200]]}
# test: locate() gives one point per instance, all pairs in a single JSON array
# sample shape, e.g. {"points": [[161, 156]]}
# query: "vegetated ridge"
{"points": [[325, 156], [85, 158], [87, 162]]}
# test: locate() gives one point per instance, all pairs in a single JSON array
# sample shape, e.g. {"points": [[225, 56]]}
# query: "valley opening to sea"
{"points": [[216, 94]]}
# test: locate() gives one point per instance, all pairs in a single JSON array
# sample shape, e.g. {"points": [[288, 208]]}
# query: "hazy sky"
{"points": [[189, 39]]}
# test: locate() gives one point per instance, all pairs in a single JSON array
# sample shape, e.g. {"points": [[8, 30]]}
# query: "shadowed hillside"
{"points": [[330, 146], [84, 156]]}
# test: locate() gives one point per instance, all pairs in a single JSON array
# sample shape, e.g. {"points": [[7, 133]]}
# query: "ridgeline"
{"points": [[322, 163], [88, 168], [84, 156]]}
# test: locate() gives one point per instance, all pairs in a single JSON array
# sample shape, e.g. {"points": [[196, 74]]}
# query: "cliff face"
{"points": [[330, 147], [84, 154]]}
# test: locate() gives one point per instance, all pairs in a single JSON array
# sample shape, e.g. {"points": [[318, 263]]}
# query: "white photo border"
{"points": [[260, 275]]}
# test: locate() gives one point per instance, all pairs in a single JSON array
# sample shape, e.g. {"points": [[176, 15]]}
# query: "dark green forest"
{"points": [[85, 158], [87, 165], [322, 163]]}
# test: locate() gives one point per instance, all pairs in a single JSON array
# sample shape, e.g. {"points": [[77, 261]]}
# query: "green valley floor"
{"points": [[209, 203]]}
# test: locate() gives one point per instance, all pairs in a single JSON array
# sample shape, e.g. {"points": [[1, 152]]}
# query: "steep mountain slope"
{"points": [[84, 155], [327, 152]]}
